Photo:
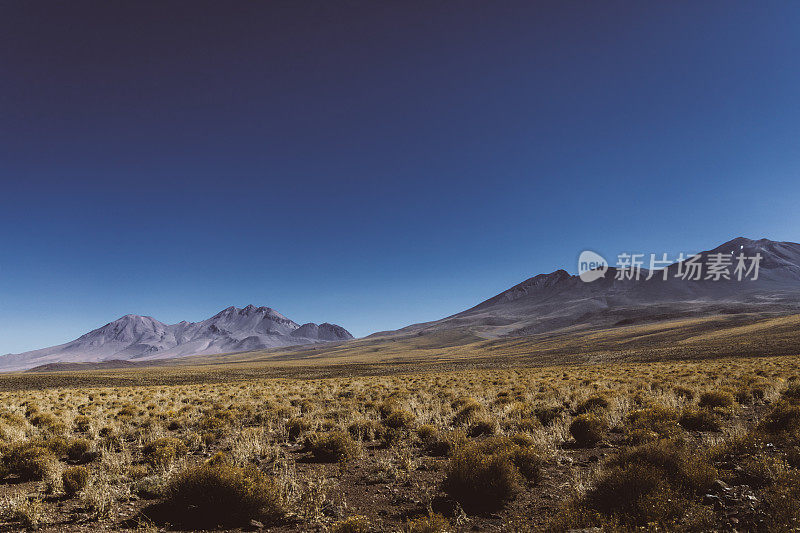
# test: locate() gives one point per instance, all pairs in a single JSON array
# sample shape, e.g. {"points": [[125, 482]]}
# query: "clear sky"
{"points": [[374, 164]]}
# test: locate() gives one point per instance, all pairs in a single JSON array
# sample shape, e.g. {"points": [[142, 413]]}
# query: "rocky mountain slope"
{"points": [[560, 301]]}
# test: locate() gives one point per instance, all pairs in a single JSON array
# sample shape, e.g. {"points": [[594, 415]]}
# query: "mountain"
{"points": [[559, 301], [141, 338]]}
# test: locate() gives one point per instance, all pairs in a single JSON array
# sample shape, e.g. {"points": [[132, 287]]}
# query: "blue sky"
{"points": [[374, 164]]}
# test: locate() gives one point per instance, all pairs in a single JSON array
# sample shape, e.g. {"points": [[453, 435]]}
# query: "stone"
{"points": [[720, 486]]}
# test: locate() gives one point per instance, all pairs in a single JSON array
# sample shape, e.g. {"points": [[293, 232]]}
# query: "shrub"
{"points": [[392, 437], [481, 427], [352, 524], [365, 429], [792, 394], [653, 483], [399, 419], [74, 479], [387, 408], [529, 424], [467, 413], [162, 452], [479, 481], [29, 461], [716, 399], [21, 509], [749, 443], [698, 420], [547, 415], [208, 496], [149, 487], [620, 489], [528, 462], [588, 429], [683, 392], [332, 447], [760, 470], [44, 420], [784, 417], [57, 445], [748, 393], [594, 403], [639, 436], [445, 443], [433, 523], [296, 427], [681, 466], [793, 456], [78, 449], [781, 511], [427, 432], [662, 421], [82, 424], [522, 439]]}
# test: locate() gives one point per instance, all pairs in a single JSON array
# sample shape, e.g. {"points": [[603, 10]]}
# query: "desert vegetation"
{"points": [[677, 446]]}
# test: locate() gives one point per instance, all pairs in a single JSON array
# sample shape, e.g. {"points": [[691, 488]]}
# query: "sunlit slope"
{"points": [[673, 339]]}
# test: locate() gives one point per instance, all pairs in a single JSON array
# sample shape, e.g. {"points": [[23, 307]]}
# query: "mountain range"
{"points": [[554, 302], [142, 338], [559, 301]]}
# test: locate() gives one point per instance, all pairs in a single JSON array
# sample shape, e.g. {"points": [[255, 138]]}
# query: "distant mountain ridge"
{"points": [[552, 303], [141, 338], [559, 300]]}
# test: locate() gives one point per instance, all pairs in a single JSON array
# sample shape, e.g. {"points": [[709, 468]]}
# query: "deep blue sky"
{"points": [[374, 164]]}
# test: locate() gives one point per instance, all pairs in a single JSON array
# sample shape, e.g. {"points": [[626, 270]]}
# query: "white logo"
{"points": [[591, 266]]}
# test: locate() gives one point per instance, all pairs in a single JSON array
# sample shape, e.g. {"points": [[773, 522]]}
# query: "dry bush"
{"points": [[781, 503], [479, 481], [519, 418], [588, 429], [443, 444], [482, 476], [468, 410], [296, 428], [592, 404], [481, 427], [792, 393], [528, 461], [784, 418], [714, 399], [164, 451], [760, 470], [335, 446], [367, 430], [699, 420], [78, 450], [399, 419], [547, 415], [683, 466], [82, 423], [19, 508], [655, 483], [209, 496], [432, 523], [98, 497], [427, 432], [660, 422], [30, 461], [74, 479]]}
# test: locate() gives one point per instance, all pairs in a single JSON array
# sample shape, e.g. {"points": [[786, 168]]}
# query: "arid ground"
{"points": [[682, 425]]}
